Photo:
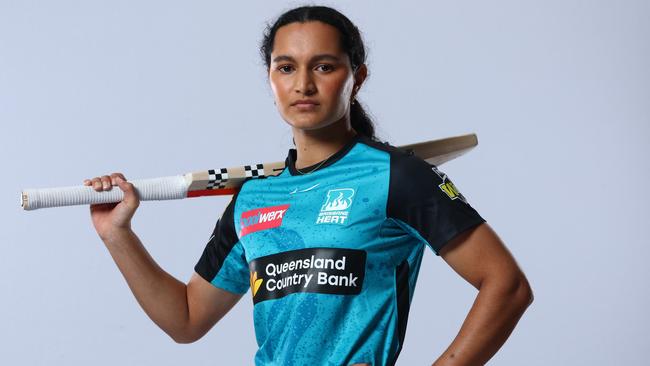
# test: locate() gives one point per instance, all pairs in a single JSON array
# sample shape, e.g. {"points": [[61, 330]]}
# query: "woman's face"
{"points": [[307, 63]]}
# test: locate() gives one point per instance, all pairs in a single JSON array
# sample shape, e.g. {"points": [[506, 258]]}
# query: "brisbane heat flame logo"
{"points": [[339, 203], [336, 208]]}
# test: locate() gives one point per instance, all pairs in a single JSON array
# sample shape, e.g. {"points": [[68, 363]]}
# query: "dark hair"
{"points": [[350, 41]]}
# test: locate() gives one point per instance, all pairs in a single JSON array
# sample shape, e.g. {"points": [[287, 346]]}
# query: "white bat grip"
{"points": [[164, 188]]}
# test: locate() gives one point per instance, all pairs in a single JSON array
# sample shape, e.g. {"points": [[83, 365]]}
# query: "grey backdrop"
{"points": [[557, 91]]}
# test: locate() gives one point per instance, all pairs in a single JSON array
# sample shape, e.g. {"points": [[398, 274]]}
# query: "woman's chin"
{"points": [[306, 123]]}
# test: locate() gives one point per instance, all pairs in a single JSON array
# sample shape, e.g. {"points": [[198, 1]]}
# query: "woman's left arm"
{"points": [[481, 258]]}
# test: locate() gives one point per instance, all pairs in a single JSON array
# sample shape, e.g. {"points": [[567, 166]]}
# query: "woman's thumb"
{"points": [[130, 194]]}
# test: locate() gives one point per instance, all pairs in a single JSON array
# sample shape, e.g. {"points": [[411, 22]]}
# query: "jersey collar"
{"points": [[290, 161]]}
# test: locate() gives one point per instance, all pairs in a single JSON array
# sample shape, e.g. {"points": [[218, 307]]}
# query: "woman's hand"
{"points": [[110, 218]]}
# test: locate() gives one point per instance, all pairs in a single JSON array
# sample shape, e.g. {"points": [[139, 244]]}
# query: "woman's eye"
{"points": [[281, 68], [286, 68], [329, 67]]}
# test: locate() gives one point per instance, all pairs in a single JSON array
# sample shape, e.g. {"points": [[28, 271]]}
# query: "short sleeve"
{"points": [[426, 203], [223, 262]]}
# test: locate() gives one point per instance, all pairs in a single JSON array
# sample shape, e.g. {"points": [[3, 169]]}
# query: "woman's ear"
{"points": [[360, 76]]}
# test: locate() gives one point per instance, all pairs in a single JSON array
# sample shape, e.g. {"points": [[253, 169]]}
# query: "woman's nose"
{"points": [[305, 83]]}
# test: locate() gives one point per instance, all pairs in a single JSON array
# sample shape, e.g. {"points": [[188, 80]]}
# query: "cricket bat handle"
{"points": [[163, 188]]}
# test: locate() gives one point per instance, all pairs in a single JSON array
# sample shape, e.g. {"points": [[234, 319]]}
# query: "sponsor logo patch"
{"points": [[261, 219], [335, 271], [448, 186], [336, 207]]}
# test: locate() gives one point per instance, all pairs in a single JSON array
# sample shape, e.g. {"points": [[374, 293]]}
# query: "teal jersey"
{"points": [[332, 257]]}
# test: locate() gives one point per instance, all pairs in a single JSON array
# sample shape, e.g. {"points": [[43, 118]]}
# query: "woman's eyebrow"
{"points": [[316, 57]]}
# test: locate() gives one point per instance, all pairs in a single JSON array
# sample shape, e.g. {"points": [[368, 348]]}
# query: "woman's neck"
{"points": [[314, 146]]}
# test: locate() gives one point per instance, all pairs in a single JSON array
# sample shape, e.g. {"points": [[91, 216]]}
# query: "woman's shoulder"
{"points": [[403, 162]]}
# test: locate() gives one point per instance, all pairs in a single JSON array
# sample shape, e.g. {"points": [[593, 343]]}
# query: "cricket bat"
{"points": [[223, 181]]}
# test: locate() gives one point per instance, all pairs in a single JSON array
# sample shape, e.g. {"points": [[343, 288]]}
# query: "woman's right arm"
{"points": [[184, 312]]}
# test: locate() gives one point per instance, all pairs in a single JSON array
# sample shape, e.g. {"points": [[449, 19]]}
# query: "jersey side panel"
{"points": [[406, 254], [223, 262], [426, 203], [423, 209]]}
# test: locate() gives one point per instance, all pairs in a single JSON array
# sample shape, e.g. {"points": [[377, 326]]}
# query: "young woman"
{"points": [[331, 247]]}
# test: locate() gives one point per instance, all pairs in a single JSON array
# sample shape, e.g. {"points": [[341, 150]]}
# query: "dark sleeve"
{"points": [[425, 202], [223, 262]]}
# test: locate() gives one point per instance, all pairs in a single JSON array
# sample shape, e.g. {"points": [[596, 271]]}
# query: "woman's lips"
{"points": [[305, 106]]}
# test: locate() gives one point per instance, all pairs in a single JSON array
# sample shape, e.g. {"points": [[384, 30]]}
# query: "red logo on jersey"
{"points": [[261, 219]]}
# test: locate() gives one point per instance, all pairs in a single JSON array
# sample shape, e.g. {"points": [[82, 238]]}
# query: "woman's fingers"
{"points": [[119, 213], [104, 182], [97, 184]]}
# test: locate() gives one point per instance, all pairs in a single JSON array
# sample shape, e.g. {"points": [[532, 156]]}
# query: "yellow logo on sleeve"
{"points": [[450, 189], [448, 186]]}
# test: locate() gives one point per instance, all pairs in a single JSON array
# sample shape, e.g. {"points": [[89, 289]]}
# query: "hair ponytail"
{"points": [[360, 120]]}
